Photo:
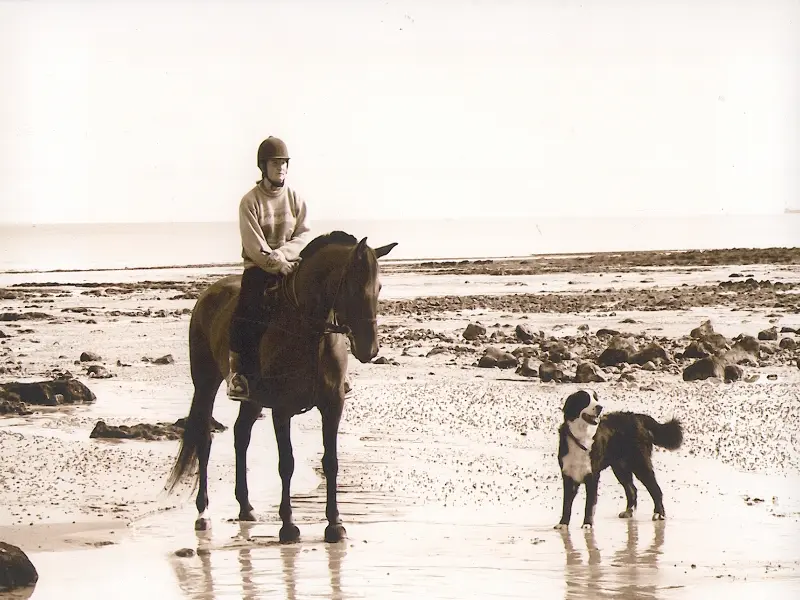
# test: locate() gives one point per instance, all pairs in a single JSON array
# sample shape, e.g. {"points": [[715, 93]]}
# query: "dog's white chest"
{"points": [[576, 464]]}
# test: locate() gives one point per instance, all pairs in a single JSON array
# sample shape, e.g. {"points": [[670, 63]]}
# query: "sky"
{"points": [[126, 111]]}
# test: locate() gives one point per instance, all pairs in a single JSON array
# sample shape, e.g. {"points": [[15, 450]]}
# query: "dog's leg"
{"points": [[646, 475], [570, 491], [625, 477], [591, 500]]}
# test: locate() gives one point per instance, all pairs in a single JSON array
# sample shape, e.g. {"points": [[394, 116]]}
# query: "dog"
{"points": [[620, 440]]}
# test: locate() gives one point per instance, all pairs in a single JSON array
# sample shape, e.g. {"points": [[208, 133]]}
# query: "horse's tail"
{"points": [[197, 432]]}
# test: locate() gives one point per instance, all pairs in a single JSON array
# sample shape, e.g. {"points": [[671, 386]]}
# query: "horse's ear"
{"points": [[362, 246], [384, 250]]}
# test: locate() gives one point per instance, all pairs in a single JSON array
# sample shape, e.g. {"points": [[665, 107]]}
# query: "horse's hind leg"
{"points": [[331, 416], [204, 398], [242, 429], [283, 435]]}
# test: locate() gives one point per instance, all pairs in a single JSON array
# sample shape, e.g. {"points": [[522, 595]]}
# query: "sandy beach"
{"points": [[449, 481]]}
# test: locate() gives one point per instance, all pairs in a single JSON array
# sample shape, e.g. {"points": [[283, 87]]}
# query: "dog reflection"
{"points": [[197, 581], [582, 577], [588, 577]]}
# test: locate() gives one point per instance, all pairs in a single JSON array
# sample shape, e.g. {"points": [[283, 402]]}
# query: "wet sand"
{"points": [[449, 484]]}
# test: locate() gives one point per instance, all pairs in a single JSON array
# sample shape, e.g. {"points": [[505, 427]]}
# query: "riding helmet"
{"points": [[271, 147]]}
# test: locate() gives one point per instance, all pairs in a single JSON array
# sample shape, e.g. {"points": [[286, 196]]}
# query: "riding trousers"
{"points": [[249, 317]]}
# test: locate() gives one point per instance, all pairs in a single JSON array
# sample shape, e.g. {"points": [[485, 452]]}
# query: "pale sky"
{"points": [[153, 111]]}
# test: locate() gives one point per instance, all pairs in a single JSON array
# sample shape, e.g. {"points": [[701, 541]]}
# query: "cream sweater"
{"points": [[272, 219]]}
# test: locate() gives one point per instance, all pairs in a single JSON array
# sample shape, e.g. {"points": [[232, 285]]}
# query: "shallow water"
{"points": [[405, 553]]}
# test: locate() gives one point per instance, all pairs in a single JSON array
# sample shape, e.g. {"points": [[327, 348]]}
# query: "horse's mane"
{"points": [[319, 242]]}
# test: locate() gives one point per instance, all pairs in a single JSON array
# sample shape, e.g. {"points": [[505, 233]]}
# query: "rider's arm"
{"points": [[302, 230], [254, 243]]}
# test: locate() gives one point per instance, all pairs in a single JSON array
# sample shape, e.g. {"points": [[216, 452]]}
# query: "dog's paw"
{"points": [[659, 516], [586, 526], [562, 526]]}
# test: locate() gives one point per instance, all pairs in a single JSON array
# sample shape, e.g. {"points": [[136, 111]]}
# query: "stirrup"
{"points": [[238, 388]]}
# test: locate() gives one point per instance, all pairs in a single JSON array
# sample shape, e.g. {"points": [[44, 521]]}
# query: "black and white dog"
{"points": [[620, 440]]}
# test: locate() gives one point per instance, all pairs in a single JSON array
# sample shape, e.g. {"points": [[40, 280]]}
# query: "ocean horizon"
{"points": [[87, 246]]}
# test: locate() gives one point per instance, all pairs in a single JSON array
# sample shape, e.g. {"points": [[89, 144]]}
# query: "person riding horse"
{"points": [[274, 228]]}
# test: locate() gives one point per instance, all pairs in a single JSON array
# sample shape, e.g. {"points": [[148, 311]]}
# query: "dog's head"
{"points": [[582, 405]]}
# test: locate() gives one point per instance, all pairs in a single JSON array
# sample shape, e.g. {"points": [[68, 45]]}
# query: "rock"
{"points": [[16, 569], [733, 373], [98, 372], [557, 351], [184, 553], [145, 431], [650, 353], [164, 360], [437, 350], [90, 357], [649, 366], [494, 357], [711, 366], [524, 351], [215, 425], [695, 349], [583, 327], [528, 368], [524, 333], [2, 334], [784, 329], [768, 349], [704, 330], [768, 334], [709, 341], [49, 393], [606, 332], [473, 331], [589, 373], [772, 376], [788, 343], [548, 371], [619, 350]]}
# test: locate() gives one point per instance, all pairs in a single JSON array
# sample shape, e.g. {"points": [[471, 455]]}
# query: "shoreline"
{"points": [[669, 258]]}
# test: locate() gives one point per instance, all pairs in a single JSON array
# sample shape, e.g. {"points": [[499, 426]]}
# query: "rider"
{"points": [[274, 228]]}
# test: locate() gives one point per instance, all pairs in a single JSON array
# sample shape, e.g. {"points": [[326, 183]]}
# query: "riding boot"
{"points": [[238, 386]]}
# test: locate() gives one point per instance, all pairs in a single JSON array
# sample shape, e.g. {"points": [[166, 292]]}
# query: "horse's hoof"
{"points": [[626, 514], [289, 533], [202, 524], [247, 515], [586, 526], [561, 526], [335, 532], [659, 516]]}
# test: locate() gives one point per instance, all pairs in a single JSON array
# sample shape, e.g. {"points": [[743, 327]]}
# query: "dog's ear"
{"points": [[574, 404]]}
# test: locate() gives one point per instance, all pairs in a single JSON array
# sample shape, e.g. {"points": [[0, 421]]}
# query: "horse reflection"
{"points": [[258, 576], [628, 579]]}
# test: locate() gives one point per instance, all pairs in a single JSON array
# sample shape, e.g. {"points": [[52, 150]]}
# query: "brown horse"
{"points": [[302, 352]]}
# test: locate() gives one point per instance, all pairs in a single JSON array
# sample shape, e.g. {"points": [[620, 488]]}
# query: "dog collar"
{"points": [[574, 439]]}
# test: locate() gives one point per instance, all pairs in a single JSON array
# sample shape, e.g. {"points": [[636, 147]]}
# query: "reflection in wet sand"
{"points": [[258, 574], [632, 573]]}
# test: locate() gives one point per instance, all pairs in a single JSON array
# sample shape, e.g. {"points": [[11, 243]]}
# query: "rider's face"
{"points": [[276, 171]]}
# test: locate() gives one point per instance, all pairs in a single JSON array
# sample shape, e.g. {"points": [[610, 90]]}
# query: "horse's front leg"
{"points": [[242, 430], [283, 435], [335, 531]]}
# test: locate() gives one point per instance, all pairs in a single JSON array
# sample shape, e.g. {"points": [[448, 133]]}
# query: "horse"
{"points": [[331, 297]]}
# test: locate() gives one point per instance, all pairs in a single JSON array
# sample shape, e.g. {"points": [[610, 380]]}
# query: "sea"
{"points": [[92, 246]]}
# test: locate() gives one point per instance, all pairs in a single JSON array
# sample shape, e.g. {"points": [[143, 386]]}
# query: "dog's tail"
{"points": [[668, 435]]}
